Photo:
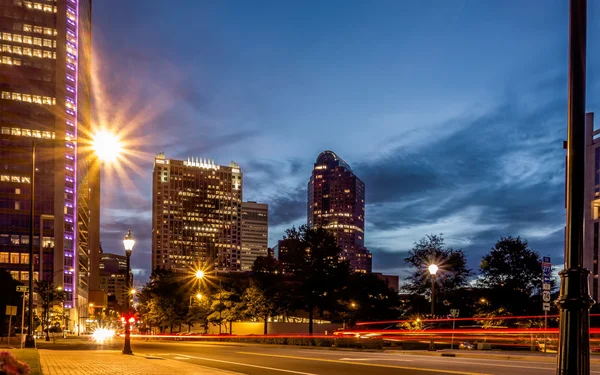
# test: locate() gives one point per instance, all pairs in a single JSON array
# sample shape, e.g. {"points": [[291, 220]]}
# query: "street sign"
{"points": [[454, 313], [22, 288], [546, 306], [11, 310], [546, 259], [546, 286], [546, 279], [546, 296]]}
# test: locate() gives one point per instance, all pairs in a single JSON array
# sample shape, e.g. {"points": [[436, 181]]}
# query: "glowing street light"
{"points": [[433, 268], [106, 146], [199, 274], [128, 243]]}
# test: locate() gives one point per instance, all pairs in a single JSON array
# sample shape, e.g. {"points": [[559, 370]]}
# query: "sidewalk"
{"points": [[497, 355], [110, 362]]}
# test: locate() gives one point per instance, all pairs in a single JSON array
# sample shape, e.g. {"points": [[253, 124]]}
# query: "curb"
{"points": [[499, 357]]}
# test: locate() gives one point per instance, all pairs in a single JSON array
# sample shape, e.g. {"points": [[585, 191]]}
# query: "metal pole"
{"points": [[574, 301], [220, 306], [22, 320], [431, 342], [127, 346], [29, 339]]}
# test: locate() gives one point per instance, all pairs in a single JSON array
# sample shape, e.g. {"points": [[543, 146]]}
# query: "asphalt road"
{"points": [[265, 360]]}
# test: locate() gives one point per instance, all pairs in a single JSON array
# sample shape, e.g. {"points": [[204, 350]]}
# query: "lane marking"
{"points": [[245, 364], [365, 364], [180, 358]]}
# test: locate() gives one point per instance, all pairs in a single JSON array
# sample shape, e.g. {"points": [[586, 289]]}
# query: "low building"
{"points": [[113, 269], [392, 281]]}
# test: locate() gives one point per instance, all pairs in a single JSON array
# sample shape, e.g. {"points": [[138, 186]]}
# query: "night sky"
{"points": [[453, 113]]}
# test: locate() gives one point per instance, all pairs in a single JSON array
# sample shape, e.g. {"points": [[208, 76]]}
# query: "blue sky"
{"points": [[453, 113]]}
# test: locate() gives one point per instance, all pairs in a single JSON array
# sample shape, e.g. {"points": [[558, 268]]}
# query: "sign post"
{"points": [[454, 313], [10, 311], [546, 288], [22, 289]]}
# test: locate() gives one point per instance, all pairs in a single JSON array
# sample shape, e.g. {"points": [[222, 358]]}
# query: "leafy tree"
{"points": [[198, 312], [315, 274], [452, 275], [49, 296], [268, 286], [512, 274], [257, 305], [164, 300], [225, 308]]}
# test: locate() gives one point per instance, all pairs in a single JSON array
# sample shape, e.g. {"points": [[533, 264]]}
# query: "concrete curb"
{"points": [[500, 357]]}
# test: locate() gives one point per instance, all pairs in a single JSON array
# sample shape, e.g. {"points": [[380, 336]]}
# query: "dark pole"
{"points": [[574, 301], [431, 342], [127, 346], [220, 304], [29, 339]]}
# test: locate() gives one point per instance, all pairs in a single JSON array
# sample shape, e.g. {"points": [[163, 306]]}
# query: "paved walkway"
{"points": [[110, 362]]}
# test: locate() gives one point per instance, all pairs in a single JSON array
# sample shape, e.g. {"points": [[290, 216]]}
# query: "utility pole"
{"points": [[574, 301]]}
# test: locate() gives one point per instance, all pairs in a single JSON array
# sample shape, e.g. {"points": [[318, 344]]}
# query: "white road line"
{"points": [[245, 364]]}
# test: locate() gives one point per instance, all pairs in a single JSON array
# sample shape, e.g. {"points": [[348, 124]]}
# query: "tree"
{"points": [[49, 296], [452, 275], [316, 275], [164, 300], [269, 287], [512, 274]]}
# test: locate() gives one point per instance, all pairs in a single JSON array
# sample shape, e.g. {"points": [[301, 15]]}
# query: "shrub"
{"points": [[9, 365]]}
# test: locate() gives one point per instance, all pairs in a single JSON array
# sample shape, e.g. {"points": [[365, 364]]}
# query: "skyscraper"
{"points": [[255, 233], [196, 214], [45, 98], [336, 202]]}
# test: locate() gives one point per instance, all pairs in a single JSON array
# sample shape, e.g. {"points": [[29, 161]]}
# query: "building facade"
{"points": [[45, 98], [196, 214], [336, 202], [113, 270], [255, 233], [592, 203]]}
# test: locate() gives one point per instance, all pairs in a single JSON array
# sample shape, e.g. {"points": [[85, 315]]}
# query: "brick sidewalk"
{"points": [[110, 362]]}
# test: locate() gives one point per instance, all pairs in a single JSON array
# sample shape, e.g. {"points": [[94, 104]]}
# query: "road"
{"points": [[276, 360]]}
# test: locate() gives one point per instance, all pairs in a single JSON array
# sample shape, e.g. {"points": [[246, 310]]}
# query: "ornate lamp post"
{"points": [[128, 242], [432, 271]]}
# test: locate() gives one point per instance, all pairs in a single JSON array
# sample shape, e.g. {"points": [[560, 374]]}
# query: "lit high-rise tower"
{"points": [[45, 96], [196, 214], [336, 202]]}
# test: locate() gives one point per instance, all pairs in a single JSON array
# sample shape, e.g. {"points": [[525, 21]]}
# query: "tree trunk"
{"points": [[265, 326], [230, 327], [171, 328]]}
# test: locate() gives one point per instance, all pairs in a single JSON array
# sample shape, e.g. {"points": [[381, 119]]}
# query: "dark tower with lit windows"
{"points": [[336, 202], [45, 67]]}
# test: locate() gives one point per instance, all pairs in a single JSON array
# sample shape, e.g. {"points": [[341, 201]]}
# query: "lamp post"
{"points": [[432, 271], [574, 301], [128, 242]]}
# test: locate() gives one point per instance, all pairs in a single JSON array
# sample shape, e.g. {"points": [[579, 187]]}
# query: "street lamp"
{"points": [[128, 243], [574, 301], [198, 297], [199, 274], [432, 271], [105, 147]]}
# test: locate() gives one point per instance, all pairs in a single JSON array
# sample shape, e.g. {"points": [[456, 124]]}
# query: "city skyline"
{"points": [[467, 142]]}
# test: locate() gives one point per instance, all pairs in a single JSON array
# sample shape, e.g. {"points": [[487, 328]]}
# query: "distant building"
{"points": [[113, 269], [255, 233], [592, 203], [336, 202], [392, 281], [196, 214]]}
